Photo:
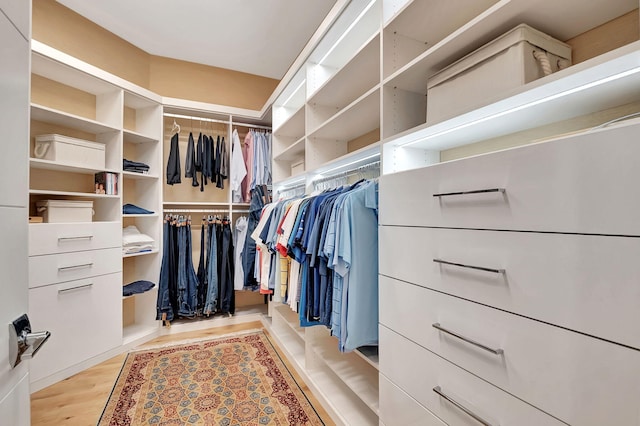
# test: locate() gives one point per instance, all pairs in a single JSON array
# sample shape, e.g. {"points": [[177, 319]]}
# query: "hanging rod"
{"points": [[255, 126], [188, 117], [196, 210], [350, 172]]}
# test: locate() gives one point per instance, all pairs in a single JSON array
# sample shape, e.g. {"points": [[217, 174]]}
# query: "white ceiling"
{"points": [[261, 37]]}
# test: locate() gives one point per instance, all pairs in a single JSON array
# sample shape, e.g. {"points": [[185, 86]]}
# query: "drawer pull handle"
{"points": [[68, 268], [80, 287], [479, 268], [466, 339], [81, 237], [461, 407], [477, 191]]}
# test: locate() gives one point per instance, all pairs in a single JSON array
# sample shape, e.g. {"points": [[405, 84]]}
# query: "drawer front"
{"points": [[56, 268], [578, 379], [418, 371], [581, 282], [51, 238], [582, 183], [398, 408], [84, 318]]}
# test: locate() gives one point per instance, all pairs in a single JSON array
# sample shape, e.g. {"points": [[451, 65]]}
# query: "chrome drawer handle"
{"points": [[466, 339], [479, 268], [81, 237], [68, 268], [477, 191], [462, 408], [80, 287]]}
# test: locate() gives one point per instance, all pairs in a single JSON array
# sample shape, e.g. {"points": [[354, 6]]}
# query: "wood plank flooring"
{"points": [[80, 399]]}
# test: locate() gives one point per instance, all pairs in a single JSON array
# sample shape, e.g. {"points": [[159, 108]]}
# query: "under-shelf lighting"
{"points": [[286, 101], [344, 166], [527, 105], [292, 184], [344, 34]]}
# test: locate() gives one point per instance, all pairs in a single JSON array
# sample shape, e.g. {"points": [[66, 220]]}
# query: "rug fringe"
{"points": [[196, 340]]}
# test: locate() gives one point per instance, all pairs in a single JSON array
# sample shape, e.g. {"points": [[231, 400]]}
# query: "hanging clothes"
{"points": [[222, 163], [238, 168], [173, 163], [247, 153], [326, 249], [239, 237], [190, 170], [249, 252]]}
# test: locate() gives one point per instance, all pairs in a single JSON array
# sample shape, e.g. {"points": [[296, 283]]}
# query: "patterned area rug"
{"points": [[237, 380]]}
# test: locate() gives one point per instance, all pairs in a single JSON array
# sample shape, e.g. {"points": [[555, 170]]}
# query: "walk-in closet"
{"points": [[349, 212]]}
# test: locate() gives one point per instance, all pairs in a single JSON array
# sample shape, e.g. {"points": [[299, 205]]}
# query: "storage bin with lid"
{"points": [[491, 72], [58, 211], [70, 151]]}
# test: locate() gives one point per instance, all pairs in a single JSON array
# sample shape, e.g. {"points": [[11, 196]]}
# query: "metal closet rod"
{"points": [[213, 120], [205, 211]]}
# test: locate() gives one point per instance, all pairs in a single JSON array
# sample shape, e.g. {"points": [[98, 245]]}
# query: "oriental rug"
{"points": [[236, 380]]}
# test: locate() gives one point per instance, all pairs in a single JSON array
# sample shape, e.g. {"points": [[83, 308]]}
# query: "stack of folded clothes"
{"points": [[137, 287], [133, 209], [134, 166], [135, 242]]}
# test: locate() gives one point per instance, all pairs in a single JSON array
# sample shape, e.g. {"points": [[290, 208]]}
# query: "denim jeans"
{"points": [[211, 301], [187, 279], [163, 304], [249, 253], [227, 299], [202, 271]]}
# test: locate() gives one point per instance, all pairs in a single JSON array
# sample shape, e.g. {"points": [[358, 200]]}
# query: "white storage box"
{"points": [[491, 72], [297, 167], [70, 151], [56, 211]]}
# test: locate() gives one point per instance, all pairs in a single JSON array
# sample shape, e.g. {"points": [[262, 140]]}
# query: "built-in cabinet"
{"points": [[77, 269], [362, 95]]}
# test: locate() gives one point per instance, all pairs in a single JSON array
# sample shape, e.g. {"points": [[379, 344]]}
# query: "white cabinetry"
{"points": [[77, 269]]}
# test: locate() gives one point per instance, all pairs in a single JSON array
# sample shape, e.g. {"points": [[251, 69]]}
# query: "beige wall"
{"points": [[187, 80], [65, 30]]}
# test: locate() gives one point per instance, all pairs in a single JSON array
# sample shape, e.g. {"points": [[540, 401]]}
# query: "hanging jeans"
{"points": [[249, 252], [211, 301], [202, 271], [187, 279], [227, 299], [163, 304]]}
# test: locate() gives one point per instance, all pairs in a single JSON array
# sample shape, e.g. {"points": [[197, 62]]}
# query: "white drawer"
{"points": [[582, 282], [418, 371], [84, 318], [578, 379], [398, 408], [50, 238], [582, 183], [56, 268]]}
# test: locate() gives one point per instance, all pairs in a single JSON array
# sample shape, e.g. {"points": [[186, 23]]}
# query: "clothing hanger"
{"points": [[175, 128]]}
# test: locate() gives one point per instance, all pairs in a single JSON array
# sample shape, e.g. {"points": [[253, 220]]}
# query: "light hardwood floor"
{"points": [[80, 399]]}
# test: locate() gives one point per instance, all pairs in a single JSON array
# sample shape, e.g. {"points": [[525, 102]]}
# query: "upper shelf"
{"points": [[37, 163], [548, 17], [293, 126], [135, 137], [604, 82], [358, 118], [54, 116], [293, 151]]}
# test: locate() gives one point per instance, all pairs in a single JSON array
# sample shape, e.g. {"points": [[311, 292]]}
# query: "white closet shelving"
{"points": [[142, 129], [414, 51], [329, 118]]}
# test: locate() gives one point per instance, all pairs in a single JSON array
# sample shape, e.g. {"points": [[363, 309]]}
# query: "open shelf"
{"points": [[133, 332], [370, 355], [71, 194], [350, 409], [289, 341], [61, 118], [140, 215], [135, 137], [357, 77], [360, 117], [144, 253], [292, 152], [352, 160], [294, 125], [606, 81], [355, 372], [37, 163], [134, 175], [291, 318]]}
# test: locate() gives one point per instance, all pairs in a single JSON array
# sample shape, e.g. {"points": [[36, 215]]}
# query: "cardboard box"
{"points": [[493, 71], [70, 151], [60, 211]]}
